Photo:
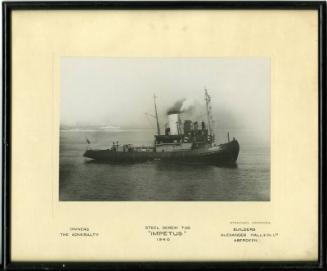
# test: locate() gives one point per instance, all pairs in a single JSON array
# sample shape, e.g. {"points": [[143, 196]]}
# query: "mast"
{"points": [[209, 115], [155, 109]]}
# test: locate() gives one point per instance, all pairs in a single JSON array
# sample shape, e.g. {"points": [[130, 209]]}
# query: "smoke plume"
{"points": [[183, 105]]}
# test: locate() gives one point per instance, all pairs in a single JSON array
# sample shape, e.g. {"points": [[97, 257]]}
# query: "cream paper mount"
{"points": [[79, 77]]}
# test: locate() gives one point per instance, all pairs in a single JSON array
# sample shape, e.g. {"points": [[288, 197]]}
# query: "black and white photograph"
{"points": [[164, 129]]}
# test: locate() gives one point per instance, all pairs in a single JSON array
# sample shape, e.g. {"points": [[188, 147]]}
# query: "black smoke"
{"points": [[176, 108]]}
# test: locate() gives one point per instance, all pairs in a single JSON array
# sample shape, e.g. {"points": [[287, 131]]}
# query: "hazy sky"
{"points": [[119, 91]]}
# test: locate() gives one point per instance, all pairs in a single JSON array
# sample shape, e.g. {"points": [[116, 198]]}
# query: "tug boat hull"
{"points": [[224, 154]]}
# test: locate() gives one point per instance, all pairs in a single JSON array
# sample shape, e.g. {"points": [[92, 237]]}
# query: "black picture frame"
{"points": [[7, 9]]}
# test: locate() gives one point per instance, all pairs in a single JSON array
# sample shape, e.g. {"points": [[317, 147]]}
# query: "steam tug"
{"points": [[190, 142]]}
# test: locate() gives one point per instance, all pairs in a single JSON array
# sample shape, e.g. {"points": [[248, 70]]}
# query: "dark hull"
{"points": [[226, 155]]}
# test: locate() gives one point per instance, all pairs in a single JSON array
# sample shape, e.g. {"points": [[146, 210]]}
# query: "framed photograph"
{"points": [[164, 134]]}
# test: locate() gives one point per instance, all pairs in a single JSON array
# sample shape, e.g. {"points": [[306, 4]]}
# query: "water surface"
{"points": [[82, 179]]}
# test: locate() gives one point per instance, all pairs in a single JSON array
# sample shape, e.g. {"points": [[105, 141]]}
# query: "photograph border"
{"points": [[7, 9]]}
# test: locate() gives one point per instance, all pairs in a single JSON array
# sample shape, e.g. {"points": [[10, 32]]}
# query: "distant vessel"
{"points": [[182, 142]]}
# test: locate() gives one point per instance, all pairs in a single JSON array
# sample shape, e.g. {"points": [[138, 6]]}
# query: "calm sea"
{"points": [[85, 180]]}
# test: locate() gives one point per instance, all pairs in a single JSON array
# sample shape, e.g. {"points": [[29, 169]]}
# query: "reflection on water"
{"points": [[82, 179]]}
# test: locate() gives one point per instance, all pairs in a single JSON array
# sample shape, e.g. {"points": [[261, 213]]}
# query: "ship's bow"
{"points": [[228, 153]]}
